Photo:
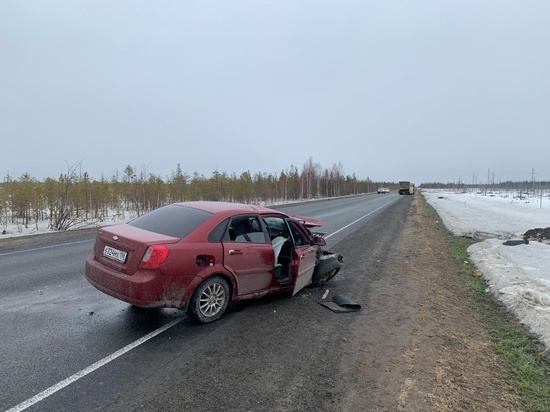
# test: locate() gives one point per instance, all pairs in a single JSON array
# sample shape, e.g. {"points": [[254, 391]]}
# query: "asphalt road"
{"points": [[65, 346]]}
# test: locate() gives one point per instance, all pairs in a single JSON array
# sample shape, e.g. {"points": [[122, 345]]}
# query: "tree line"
{"points": [[75, 198]]}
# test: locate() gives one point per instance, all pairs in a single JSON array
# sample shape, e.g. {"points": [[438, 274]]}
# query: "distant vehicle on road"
{"points": [[383, 190], [405, 187]]}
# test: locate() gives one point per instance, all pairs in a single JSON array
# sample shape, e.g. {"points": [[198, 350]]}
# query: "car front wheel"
{"points": [[325, 270], [209, 300]]}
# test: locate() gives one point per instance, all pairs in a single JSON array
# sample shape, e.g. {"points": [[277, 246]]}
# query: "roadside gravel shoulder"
{"points": [[422, 346], [449, 337], [45, 239]]}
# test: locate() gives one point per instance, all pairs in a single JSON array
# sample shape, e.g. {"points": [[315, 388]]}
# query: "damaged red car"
{"points": [[199, 256]]}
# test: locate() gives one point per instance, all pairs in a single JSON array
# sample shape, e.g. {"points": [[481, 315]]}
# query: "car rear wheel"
{"points": [[325, 270], [209, 300]]}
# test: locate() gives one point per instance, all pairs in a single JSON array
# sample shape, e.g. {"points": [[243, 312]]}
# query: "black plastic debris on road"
{"points": [[341, 304]]}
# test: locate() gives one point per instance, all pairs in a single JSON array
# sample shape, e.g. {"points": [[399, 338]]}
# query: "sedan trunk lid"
{"points": [[122, 247]]}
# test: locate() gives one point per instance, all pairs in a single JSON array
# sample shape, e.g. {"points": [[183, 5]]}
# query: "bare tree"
{"points": [[62, 200], [310, 177]]}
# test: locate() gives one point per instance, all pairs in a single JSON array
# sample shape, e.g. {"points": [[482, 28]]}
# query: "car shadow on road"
{"points": [[144, 319]]}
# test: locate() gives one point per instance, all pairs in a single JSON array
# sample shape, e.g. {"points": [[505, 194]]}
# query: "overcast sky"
{"points": [[393, 90]]}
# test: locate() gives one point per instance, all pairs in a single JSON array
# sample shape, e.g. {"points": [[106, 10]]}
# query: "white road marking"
{"points": [[64, 383]]}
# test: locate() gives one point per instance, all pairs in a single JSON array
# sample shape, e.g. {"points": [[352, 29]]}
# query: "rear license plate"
{"points": [[114, 254]]}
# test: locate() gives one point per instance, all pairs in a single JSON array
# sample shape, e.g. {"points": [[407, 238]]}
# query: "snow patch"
{"points": [[518, 275]]}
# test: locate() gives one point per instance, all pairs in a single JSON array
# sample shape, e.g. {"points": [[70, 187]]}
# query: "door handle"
{"points": [[302, 256], [235, 252]]}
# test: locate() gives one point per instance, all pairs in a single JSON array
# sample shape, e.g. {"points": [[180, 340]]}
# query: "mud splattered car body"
{"points": [[201, 255]]}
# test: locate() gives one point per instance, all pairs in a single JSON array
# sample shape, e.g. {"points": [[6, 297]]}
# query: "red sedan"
{"points": [[201, 255]]}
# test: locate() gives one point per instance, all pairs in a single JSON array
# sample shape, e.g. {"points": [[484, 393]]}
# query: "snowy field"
{"points": [[518, 274]]}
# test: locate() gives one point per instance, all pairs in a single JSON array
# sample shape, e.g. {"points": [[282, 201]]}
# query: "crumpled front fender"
{"points": [[325, 254]]}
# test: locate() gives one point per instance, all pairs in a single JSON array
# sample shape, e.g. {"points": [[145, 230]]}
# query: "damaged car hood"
{"points": [[307, 221]]}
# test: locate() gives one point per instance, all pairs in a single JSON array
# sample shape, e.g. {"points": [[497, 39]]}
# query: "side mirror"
{"points": [[318, 240]]}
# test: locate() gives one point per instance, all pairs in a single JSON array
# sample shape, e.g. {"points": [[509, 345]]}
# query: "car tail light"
{"points": [[154, 257]]}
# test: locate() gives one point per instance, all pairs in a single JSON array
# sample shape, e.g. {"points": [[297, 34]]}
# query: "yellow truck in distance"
{"points": [[405, 187]]}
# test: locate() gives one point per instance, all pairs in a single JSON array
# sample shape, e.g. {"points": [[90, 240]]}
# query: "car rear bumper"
{"points": [[144, 288]]}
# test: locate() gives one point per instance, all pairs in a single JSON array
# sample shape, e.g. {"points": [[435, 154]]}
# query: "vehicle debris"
{"points": [[341, 304]]}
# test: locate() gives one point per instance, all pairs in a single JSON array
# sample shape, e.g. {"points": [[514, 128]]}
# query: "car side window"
{"points": [[217, 235], [276, 226], [299, 237], [244, 229]]}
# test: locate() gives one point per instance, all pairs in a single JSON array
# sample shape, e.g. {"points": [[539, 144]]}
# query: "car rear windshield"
{"points": [[172, 220]]}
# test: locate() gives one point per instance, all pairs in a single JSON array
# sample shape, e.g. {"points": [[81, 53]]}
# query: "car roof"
{"points": [[219, 207]]}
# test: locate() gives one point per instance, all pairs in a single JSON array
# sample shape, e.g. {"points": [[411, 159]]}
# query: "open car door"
{"points": [[304, 256]]}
